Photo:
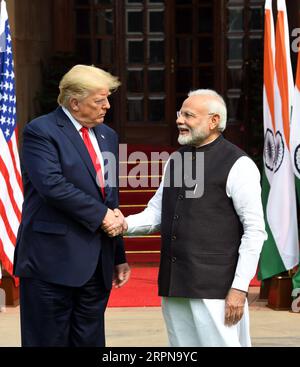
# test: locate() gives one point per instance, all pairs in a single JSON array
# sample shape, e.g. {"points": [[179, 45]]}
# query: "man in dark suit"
{"points": [[66, 262]]}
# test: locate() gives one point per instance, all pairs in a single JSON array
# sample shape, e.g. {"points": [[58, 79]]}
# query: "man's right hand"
{"points": [[234, 306], [119, 213], [113, 223]]}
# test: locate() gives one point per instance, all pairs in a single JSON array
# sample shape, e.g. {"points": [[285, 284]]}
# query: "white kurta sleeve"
{"points": [[243, 187], [148, 221]]}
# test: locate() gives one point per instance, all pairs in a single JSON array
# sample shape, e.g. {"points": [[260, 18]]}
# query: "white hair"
{"points": [[217, 105]]}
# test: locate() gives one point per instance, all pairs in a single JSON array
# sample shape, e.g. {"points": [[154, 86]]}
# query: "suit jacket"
{"points": [[59, 239]]}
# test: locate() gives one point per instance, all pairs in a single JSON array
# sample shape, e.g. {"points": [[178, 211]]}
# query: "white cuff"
{"points": [[241, 284]]}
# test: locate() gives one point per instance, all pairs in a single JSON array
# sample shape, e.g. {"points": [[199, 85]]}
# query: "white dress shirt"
{"points": [[92, 136], [243, 187]]}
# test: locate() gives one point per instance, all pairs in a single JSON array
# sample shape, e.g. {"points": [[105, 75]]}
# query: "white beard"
{"points": [[185, 140], [194, 138]]}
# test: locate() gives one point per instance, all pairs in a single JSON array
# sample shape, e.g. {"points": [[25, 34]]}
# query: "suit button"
{"points": [[173, 259], [176, 217], [180, 197], [174, 238]]}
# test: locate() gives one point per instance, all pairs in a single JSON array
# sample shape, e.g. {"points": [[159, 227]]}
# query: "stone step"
{"points": [[131, 197]]}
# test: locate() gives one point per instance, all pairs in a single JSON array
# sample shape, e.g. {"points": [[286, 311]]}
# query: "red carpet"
{"points": [[141, 290]]}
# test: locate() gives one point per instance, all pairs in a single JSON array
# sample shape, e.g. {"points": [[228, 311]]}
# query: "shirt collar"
{"points": [[77, 125]]}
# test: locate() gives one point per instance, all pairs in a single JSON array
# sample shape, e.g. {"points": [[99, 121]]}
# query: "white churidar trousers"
{"points": [[200, 323]]}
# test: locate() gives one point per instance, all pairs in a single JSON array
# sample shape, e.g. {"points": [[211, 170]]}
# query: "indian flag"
{"points": [[280, 251], [295, 146], [295, 130]]}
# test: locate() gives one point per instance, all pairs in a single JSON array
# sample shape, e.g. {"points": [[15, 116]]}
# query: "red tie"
{"points": [[94, 158]]}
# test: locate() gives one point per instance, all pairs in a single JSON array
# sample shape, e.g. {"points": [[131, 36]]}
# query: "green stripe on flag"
{"points": [[270, 262], [297, 184], [296, 279]]}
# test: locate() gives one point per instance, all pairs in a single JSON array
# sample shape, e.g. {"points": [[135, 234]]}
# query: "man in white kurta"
{"points": [[243, 186], [195, 322]]}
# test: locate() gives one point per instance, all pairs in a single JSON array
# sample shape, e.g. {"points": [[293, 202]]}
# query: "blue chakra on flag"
{"points": [[297, 158], [269, 150], [279, 145]]}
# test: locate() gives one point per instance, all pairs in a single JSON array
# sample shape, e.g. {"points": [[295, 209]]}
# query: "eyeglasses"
{"points": [[185, 115], [190, 115]]}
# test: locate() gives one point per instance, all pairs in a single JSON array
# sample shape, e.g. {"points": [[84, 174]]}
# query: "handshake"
{"points": [[114, 223]]}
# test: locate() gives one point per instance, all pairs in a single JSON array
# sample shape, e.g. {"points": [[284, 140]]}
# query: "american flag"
{"points": [[11, 192]]}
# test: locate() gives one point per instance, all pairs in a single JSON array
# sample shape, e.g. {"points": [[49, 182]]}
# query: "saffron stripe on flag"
{"points": [[295, 148], [283, 195], [295, 130], [280, 251]]}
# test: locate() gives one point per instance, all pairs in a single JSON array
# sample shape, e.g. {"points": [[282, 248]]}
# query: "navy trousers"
{"points": [[59, 316]]}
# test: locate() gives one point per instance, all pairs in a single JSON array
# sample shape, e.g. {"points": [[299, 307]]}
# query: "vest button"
{"points": [[173, 259], [174, 238], [180, 197], [176, 217]]}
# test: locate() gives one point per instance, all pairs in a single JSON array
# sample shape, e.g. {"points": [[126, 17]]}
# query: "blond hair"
{"points": [[82, 80]]}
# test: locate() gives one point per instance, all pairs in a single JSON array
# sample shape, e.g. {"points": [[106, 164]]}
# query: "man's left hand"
{"points": [[234, 306], [121, 275]]}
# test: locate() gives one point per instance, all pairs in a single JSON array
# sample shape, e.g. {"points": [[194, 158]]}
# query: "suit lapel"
{"points": [[70, 131], [102, 139], [105, 146]]}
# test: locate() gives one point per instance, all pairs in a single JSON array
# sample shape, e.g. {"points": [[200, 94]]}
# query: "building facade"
{"points": [[160, 49]]}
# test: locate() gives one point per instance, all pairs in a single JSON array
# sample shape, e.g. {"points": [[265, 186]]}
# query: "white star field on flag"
{"points": [[7, 89], [11, 191]]}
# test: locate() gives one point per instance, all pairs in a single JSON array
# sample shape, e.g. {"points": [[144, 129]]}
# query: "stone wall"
{"points": [[31, 26]]}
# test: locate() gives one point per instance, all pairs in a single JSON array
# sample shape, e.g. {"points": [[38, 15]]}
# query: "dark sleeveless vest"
{"points": [[200, 236]]}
